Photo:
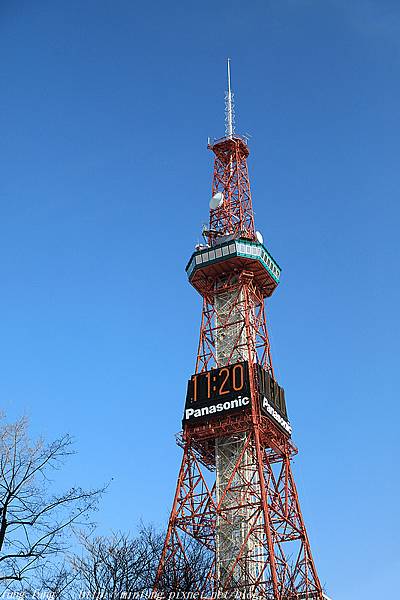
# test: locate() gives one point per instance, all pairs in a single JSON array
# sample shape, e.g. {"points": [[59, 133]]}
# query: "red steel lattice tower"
{"points": [[236, 528]]}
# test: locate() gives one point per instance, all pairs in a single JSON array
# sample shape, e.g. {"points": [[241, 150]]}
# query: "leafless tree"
{"points": [[189, 575], [119, 565], [32, 520], [122, 566]]}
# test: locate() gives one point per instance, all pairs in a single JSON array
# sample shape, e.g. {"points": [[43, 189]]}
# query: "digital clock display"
{"points": [[217, 391]]}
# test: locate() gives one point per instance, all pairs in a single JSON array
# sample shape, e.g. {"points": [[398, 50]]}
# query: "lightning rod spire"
{"points": [[229, 106]]}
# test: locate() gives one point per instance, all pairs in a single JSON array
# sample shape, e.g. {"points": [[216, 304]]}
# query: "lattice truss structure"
{"points": [[233, 326], [231, 177], [236, 495], [269, 557], [236, 526]]}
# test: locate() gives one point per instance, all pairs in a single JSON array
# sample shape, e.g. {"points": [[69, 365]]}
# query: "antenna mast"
{"points": [[229, 107]]}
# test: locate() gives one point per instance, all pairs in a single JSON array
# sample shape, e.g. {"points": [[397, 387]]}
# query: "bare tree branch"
{"points": [[33, 521]]}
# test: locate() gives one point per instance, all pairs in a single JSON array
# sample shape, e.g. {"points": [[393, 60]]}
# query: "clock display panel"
{"points": [[217, 392]]}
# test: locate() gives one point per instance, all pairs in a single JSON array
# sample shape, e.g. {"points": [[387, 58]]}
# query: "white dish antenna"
{"points": [[259, 237], [216, 200]]}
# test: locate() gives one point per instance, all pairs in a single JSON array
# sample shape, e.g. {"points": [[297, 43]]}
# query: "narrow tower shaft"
{"points": [[232, 344], [234, 218]]}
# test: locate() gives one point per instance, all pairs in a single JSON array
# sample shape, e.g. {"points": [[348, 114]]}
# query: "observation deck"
{"points": [[234, 255]]}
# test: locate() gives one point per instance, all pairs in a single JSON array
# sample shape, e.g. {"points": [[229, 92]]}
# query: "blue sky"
{"points": [[105, 109]]}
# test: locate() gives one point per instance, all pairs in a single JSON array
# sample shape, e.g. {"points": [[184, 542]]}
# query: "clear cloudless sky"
{"points": [[105, 109]]}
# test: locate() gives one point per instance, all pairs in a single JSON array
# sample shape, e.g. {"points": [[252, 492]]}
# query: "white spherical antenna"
{"points": [[259, 237], [216, 200]]}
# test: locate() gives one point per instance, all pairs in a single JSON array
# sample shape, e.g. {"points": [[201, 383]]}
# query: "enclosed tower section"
{"points": [[235, 525]]}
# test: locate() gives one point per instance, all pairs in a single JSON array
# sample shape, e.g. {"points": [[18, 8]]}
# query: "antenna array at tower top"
{"points": [[229, 107]]}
